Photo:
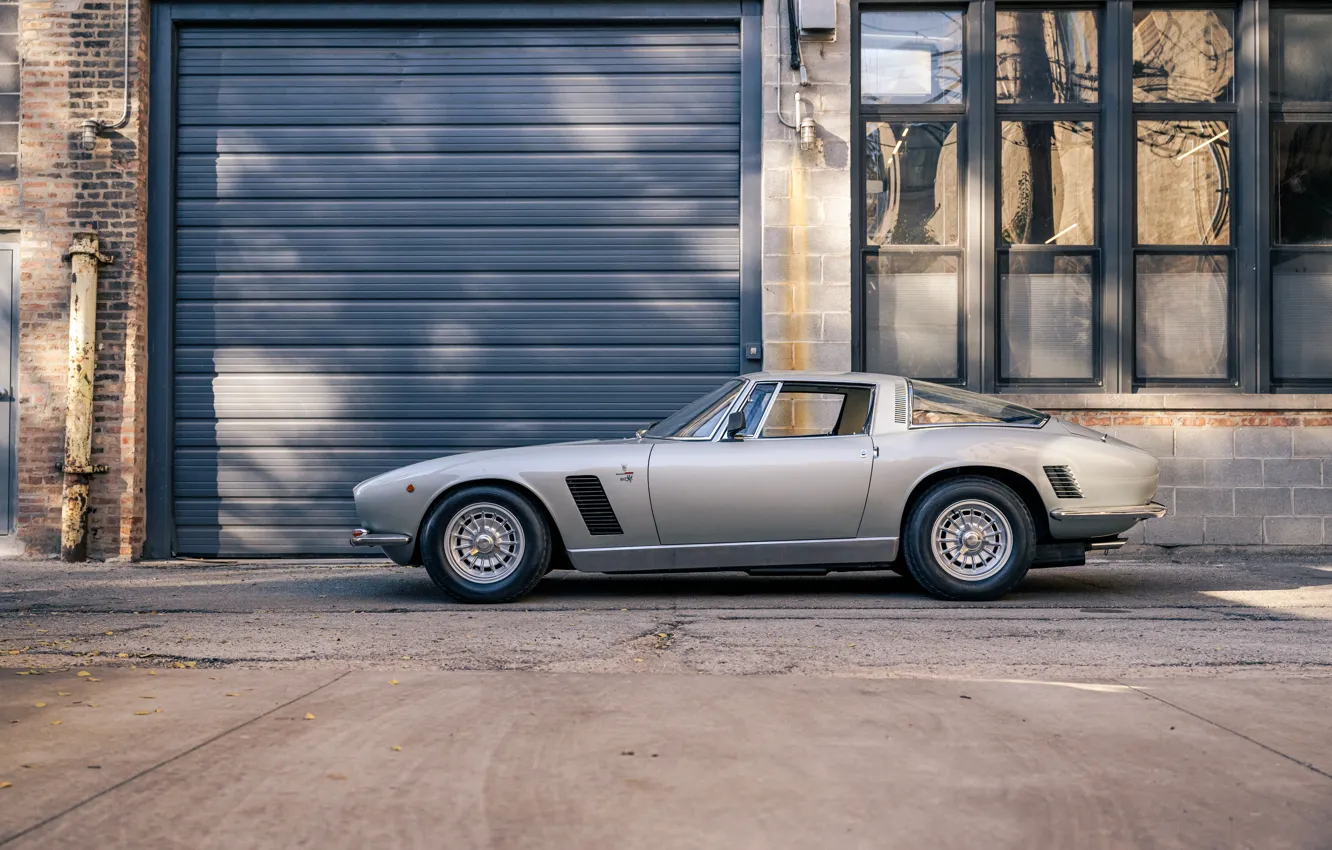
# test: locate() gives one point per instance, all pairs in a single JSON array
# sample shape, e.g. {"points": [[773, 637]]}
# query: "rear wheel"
{"points": [[485, 544], [969, 538]]}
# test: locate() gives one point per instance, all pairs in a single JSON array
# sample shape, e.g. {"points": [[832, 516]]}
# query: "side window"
{"points": [[815, 410]]}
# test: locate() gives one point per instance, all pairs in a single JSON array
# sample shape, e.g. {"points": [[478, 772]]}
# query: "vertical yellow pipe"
{"points": [[84, 258]]}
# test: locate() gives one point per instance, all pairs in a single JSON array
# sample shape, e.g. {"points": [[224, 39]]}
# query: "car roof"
{"points": [[831, 377]]}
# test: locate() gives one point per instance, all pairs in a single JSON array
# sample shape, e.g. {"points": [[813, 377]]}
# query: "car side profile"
{"points": [[776, 473]]}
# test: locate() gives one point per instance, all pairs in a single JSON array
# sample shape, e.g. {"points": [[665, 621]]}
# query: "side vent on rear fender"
{"points": [[590, 497], [900, 405], [1063, 482]]}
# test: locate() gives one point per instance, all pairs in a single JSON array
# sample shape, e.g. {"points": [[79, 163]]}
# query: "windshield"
{"points": [[932, 404], [700, 418]]}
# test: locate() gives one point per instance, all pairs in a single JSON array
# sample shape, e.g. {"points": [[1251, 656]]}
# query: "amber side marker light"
{"points": [[411, 488]]}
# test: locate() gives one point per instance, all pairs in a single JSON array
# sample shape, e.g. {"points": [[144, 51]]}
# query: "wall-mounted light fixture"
{"points": [[92, 127]]}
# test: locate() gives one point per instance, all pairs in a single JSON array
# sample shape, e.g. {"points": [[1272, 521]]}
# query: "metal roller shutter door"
{"points": [[394, 243]]}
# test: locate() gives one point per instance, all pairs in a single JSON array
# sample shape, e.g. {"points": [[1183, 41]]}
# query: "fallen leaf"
{"points": [[84, 673], [157, 711], [6, 784], [23, 673], [397, 749], [142, 713], [92, 679], [393, 681], [639, 660], [39, 705], [309, 716], [93, 705], [406, 658], [15, 651], [122, 655], [233, 695], [337, 776], [62, 693], [55, 722], [152, 672], [110, 633]]}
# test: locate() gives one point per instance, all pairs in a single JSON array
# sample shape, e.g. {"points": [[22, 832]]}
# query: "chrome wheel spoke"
{"points": [[972, 540], [486, 543]]}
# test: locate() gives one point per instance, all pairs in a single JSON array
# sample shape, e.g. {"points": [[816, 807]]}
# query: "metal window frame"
{"points": [[1001, 113], [169, 15], [1251, 114], [1241, 278], [1270, 113], [968, 183]]}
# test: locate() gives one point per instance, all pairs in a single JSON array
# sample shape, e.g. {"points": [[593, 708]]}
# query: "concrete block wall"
{"points": [[807, 202], [1238, 478], [72, 56]]}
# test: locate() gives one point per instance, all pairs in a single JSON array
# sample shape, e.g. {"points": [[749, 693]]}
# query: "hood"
{"points": [[481, 458]]}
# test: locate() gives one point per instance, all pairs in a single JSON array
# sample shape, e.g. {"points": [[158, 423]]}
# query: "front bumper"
{"points": [[1151, 510], [361, 537]]}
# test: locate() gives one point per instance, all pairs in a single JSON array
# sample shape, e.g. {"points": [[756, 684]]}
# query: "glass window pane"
{"points": [[911, 183], [1183, 317], [912, 315], [911, 57], [1300, 67], [808, 410], [935, 405], [1183, 183], [1047, 312], [1301, 305], [1302, 155], [1047, 170], [1183, 55], [1047, 57]]}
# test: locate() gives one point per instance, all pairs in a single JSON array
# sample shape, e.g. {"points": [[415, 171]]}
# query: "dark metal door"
{"points": [[8, 376], [399, 242]]}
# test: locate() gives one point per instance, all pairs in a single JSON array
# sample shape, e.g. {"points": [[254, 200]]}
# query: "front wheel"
{"points": [[969, 538], [485, 544]]}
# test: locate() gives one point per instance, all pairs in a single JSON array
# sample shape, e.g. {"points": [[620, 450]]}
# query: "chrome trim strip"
{"points": [[361, 537], [715, 556], [1151, 510]]}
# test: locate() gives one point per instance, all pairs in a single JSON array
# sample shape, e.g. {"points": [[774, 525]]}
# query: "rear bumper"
{"points": [[361, 537], [1151, 510]]}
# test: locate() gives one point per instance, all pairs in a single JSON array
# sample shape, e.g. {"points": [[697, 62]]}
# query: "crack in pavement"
{"points": [[1237, 734], [178, 756]]}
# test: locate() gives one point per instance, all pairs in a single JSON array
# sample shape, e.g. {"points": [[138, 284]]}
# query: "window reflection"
{"points": [[1302, 155], [912, 315], [1301, 303], [1300, 68], [911, 187], [1183, 182], [1047, 170], [1183, 55], [1183, 317], [1047, 311], [911, 57], [1047, 57]]}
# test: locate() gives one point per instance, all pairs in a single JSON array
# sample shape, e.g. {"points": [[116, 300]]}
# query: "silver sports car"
{"points": [[776, 473]]}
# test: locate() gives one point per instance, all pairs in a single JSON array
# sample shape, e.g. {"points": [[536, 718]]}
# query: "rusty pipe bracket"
{"points": [[94, 469], [86, 244]]}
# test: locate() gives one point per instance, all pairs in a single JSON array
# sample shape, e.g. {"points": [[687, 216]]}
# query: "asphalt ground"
{"points": [[1151, 699]]}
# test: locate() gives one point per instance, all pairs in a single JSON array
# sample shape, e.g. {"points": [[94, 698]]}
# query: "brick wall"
{"points": [[807, 204], [71, 54]]}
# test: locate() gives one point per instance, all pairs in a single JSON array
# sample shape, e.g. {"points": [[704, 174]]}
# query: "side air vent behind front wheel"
{"points": [[590, 497], [1063, 482]]}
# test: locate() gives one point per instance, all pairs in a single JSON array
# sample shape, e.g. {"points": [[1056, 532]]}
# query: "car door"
{"points": [[801, 473]]}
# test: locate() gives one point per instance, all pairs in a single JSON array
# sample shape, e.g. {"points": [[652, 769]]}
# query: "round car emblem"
{"points": [[484, 542]]}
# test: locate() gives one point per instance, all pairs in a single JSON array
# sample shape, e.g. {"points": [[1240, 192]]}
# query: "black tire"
{"points": [[926, 566], [532, 563]]}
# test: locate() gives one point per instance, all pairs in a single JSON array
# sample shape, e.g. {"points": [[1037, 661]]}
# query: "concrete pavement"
{"points": [[518, 760], [1143, 701]]}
